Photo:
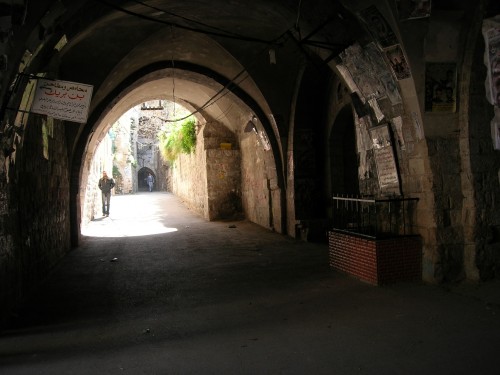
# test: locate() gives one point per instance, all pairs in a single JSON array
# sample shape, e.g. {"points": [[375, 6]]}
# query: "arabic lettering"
{"points": [[63, 100], [63, 91]]}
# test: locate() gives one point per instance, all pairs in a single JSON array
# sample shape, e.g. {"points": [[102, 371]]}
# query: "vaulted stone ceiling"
{"points": [[110, 41]]}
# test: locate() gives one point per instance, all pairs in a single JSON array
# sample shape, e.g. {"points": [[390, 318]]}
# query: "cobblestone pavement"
{"points": [[155, 289]]}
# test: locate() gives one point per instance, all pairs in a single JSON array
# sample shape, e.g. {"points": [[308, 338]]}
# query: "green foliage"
{"points": [[131, 160], [178, 138], [116, 172], [188, 136]]}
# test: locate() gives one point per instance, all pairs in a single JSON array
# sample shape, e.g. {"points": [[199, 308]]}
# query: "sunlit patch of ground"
{"points": [[130, 216]]}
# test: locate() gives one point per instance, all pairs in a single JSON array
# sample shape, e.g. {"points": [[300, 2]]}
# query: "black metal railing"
{"points": [[375, 217]]}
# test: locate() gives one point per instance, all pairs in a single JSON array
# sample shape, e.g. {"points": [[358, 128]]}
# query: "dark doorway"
{"points": [[343, 155], [142, 183]]}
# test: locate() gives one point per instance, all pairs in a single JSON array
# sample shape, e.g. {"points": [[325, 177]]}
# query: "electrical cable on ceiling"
{"points": [[173, 84], [187, 19], [223, 35], [173, 74], [233, 82], [215, 97], [280, 40], [225, 112], [297, 27]]}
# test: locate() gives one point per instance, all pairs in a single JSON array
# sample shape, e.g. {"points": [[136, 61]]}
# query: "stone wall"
{"points": [[448, 161], [482, 251], [189, 178], [223, 172], [10, 274], [34, 209], [209, 180], [163, 176], [256, 184], [102, 160], [223, 183], [123, 158], [445, 165]]}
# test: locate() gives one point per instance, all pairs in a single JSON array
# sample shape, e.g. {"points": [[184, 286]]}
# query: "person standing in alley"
{"points": [[150, 179], [106, 184]]}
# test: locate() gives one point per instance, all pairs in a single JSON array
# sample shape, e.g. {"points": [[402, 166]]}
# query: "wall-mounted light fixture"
{"points": [[250, 126], [272, 57], [61, 43]]}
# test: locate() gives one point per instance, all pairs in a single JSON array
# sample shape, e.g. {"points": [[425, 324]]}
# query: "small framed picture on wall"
{"points": [[440, 87]]}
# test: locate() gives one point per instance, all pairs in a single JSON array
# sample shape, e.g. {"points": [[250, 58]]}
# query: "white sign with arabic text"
{"points": [[62, 100]]}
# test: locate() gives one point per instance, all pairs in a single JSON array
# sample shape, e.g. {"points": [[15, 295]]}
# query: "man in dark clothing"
{"points": [[106, 184]]}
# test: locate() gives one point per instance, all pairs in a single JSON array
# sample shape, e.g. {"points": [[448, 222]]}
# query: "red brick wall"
{"points": [[376, 261], [399, 259]]}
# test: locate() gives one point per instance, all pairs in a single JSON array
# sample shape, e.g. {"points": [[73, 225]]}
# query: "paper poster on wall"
{"points": [[491, 34], [440, 87], [376, 110], [363, 144], [358, 105], [385, 161], [378, 27], [397, 122], [495, 132], [374, 55], [397, 61], [391, 88], [361, 70], [346, 76], [363, 139], [413, 9], [368, 71], [387, 85], [63, 100]]}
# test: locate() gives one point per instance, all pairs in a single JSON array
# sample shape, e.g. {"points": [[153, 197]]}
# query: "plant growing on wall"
{"points": [[116, 172], [117, 176], [177, 138]]}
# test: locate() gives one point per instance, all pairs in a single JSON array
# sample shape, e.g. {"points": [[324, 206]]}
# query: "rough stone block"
{"points": [[417, 166]]}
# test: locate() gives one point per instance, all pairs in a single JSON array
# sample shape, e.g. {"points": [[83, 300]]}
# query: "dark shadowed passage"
{"points": [[155, 289]]}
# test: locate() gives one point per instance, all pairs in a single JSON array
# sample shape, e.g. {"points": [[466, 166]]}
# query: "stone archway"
{"points": [[152, 82], [142, 174]]}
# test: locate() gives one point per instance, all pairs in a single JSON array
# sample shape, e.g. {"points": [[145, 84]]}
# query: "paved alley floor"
{"points": [[155, 289]]}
